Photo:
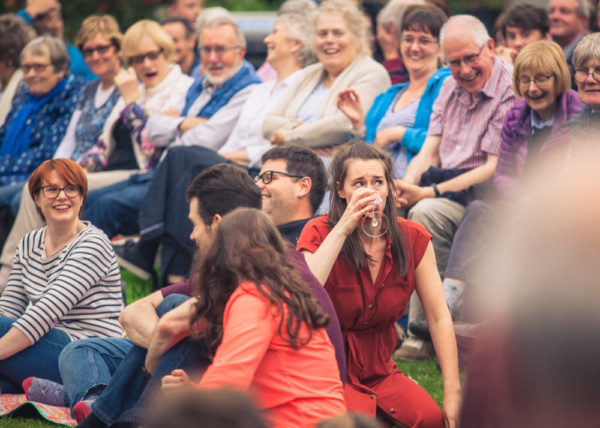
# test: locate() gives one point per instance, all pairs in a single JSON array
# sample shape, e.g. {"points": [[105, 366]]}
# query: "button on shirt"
{"points": [[470, 130]]}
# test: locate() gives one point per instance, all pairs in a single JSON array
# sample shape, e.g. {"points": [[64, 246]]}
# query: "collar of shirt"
{"points": [[538, 123]]}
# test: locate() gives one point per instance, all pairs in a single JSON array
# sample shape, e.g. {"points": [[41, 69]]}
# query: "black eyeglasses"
{"points": [[540, 79], [219, 50], [38, 68], [581, 75], [51, 192], [267, 176], [469, 60], [102, 49], [139, 59]]}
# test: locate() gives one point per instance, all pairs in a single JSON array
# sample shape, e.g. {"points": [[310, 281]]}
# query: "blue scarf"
{"points": [[18, 135], [244, 77]]}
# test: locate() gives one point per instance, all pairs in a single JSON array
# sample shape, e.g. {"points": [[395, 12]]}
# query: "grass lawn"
{"points": [[424, 372]]}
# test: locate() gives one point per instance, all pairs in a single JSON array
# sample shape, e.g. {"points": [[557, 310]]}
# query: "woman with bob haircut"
{"points": [[263, 326], [307, 112], [65, 284], [370, 277]]}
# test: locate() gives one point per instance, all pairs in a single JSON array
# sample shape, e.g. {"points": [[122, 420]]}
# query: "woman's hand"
{"points": [[357, 209], [127, 83], [278, 138], [176, 381], [451, 409], [349, 103]]}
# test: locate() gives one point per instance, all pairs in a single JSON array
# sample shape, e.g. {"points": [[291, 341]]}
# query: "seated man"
{"points": [[462, 146], [522, 24], [204, 118], [217, 191], [46, 18], [185, 43]]}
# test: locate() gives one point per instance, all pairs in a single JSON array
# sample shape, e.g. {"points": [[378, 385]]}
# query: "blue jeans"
{"points": [[39, 359], [10, 195], [114, 209], [128, 387], [87, 365]]}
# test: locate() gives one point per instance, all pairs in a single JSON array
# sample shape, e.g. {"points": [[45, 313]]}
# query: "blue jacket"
{"points": [[413, 137]]}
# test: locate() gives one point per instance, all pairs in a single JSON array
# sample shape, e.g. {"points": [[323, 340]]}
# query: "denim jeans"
{"points": [[114, 209], [128, 387], [10, 195], [87, 365], [39, 359]]}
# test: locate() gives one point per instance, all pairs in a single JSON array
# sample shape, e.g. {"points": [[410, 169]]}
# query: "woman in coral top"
{"points": [[264, 326], [370, 271]]}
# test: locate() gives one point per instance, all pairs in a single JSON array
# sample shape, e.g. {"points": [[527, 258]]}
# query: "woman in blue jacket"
{"points": [[399, 118]]}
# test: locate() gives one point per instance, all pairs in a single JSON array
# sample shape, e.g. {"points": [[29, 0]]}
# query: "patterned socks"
{"points": [[45, 391]]}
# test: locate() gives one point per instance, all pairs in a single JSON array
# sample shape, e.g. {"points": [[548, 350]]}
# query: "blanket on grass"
{"points": [[17, 406]]}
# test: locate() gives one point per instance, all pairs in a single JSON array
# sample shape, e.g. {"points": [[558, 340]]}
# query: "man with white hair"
{"points": [[461, 149], [205, 117]]}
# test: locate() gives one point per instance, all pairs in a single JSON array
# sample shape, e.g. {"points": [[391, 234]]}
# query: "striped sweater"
{"points": [[76, 290]]}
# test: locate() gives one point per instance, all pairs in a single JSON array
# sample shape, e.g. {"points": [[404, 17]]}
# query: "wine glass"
{"points": [[375, 223]]}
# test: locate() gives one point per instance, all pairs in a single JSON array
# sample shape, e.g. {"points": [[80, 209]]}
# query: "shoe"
{"points": [[414, 349], [401, 335], [419, 329], [83, 409], [44, 391], [129, 257]]}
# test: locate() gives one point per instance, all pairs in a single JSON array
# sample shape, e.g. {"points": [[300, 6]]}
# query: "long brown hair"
{"points": [[248, 247], [353, 249]]}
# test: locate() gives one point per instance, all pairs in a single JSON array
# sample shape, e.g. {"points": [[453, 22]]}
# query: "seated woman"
{"points": [[307, 112], [535, 143], [263, 326], [14, 35], [370, 271], [65, 283], [40, 115], [288, 51], [117, 124], [399, 118]]}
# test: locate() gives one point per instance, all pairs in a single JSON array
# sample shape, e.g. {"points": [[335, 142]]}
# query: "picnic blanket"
{"points": [[17, 406]]}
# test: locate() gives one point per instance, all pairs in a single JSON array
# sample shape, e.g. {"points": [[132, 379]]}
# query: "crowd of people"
{"points": [[313, 218]]}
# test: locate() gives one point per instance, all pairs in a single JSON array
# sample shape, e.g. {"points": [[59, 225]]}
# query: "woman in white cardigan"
{"points": [[307, 112]]}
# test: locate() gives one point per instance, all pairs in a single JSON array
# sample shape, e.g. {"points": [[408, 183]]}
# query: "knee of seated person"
{"points": [[170, 302], [423, 209]]}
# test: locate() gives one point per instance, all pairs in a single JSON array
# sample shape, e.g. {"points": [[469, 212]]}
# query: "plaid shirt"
{"points": [[471, 130]]}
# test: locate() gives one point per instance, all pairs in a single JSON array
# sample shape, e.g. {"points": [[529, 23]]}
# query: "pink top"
{"points": [[294, 388]]}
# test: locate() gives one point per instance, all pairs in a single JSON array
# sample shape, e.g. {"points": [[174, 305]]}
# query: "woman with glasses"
{"points": [[65, 283], [399, 118], [585, 126]]}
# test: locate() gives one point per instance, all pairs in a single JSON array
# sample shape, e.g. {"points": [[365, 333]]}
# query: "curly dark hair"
{"points": [[248, 247], [14, 35]]}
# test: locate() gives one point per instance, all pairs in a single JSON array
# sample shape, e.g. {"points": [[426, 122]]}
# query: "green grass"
{"points": [[424, 372]]}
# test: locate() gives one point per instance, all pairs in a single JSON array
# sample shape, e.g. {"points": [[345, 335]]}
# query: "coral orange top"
{"points": [[294, 388]]}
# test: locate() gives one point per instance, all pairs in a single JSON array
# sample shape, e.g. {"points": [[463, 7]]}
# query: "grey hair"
{"points": [[584, 8], [214, 17], [353, 18], [588, 48], [299, 27], [469, 26], [297, 6], [393, 13], [56, 50]]}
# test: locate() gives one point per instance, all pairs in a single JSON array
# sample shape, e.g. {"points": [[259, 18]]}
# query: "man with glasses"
{"points": [[46, 18], [295, 185], [461, 150]]}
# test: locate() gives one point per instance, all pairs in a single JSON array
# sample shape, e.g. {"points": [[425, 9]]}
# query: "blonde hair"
{"points": [[543, 57], [105, 24], [152, 29], [353, 18]]}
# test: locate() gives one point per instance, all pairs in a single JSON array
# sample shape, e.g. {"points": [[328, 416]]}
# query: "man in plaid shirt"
{"points": [[463, 142]]}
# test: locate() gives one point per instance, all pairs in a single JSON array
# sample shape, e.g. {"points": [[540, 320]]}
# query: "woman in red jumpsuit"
{"points": [[370, 280]]}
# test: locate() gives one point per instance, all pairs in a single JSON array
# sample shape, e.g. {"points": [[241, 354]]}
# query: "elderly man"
{"points": [[185, 43], [462, 146], [568, 23], [205, 117], [46, 17]]}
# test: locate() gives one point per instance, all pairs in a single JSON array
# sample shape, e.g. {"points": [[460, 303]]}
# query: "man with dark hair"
{"points": [[523, 24], [187, 9], [217, 191], [185, 43]]}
